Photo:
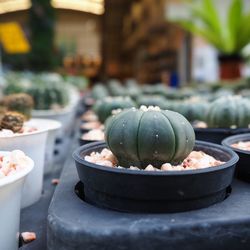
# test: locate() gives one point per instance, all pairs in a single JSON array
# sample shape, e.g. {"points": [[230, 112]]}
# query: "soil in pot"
{"points": [[93, 135]]}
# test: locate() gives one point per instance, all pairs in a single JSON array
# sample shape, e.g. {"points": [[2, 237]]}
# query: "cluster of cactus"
{"points": [[139, 137], [103, 108], [12, 121], [49, 96], [22, 103]]}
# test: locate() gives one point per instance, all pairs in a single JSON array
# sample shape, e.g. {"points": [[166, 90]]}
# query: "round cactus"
{"points": [[226, 112], [151, 100], [99, 91], [139, 137], [49, 96], [103, 108], [193, 111], [13, 121], [22, 103]]}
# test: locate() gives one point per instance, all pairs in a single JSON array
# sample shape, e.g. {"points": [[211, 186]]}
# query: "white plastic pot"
{"points": [[32, 144], [52, 126], [10, 199], [64, 116]]}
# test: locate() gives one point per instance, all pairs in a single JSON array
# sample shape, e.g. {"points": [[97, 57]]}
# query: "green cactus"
{"points": [[151, 100], [227, 112], [103, 108], [139, 137], [99, 92]]}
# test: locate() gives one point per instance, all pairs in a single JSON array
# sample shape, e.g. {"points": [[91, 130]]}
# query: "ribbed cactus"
{"points": [[22, 103], [103, 108], [151, 100], [139, 137], [192, 111], [229, 111], [13, 121], [99, 92], [49, 97]]}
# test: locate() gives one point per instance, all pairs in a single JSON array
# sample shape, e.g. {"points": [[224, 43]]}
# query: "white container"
{"points": [[64, 116], [32, 144], [52, 126], [10, 199]]}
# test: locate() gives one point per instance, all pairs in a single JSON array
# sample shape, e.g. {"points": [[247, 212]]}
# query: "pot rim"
{"points": [[18, 175], [236, 138], [39, 131], [234, 159], [51, 112], [221, 129], [53, 124]]}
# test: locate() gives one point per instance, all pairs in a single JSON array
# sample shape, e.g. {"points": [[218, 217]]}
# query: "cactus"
{"points": [[151, 100], [13, 121], [99, 92], [103, 108], [139, 137], [226, 112], [191, 110], [116, 88], [49, 97], [22, 103]]}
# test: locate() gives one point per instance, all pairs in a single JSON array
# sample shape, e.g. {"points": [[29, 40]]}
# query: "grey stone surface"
{"points": [[74, 224]]}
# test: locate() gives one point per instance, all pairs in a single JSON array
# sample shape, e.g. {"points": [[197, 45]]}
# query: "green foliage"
{"points": [[41, 22], [229, 35]]}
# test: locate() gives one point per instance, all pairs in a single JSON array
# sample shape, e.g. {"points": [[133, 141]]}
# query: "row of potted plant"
{"points": [[150, 161], [20, 131]]}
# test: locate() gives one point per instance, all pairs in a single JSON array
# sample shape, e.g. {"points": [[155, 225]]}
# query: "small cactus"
{"points": [[22, 103], [139, 137], [13, 121]]}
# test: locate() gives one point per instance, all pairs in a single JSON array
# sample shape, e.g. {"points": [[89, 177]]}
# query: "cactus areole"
{"points": [[139, 137]]}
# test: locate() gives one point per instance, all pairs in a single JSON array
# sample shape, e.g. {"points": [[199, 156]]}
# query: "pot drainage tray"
{"points": [[75, 224]]}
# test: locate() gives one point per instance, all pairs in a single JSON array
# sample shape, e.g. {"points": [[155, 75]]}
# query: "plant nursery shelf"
{"points": [[75, 224]]}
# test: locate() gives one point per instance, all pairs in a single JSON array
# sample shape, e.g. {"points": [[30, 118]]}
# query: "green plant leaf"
{"points": [[244, 32], [234, 22], [230, 35], [201, 31]]}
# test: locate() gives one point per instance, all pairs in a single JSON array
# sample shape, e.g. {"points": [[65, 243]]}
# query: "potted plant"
{"points": [[14, 167], [30, 137], [229, 35], [241, 145], [93, 135], [147, 164], [226, 116]]}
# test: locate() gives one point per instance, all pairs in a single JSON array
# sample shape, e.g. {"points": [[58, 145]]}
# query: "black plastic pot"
{"points": [[84, 142], [243, 166], [84, 130], [145, 191], [217, 135]]}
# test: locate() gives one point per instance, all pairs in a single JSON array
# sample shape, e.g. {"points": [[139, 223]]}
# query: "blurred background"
{"points": [[174, 42]]}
